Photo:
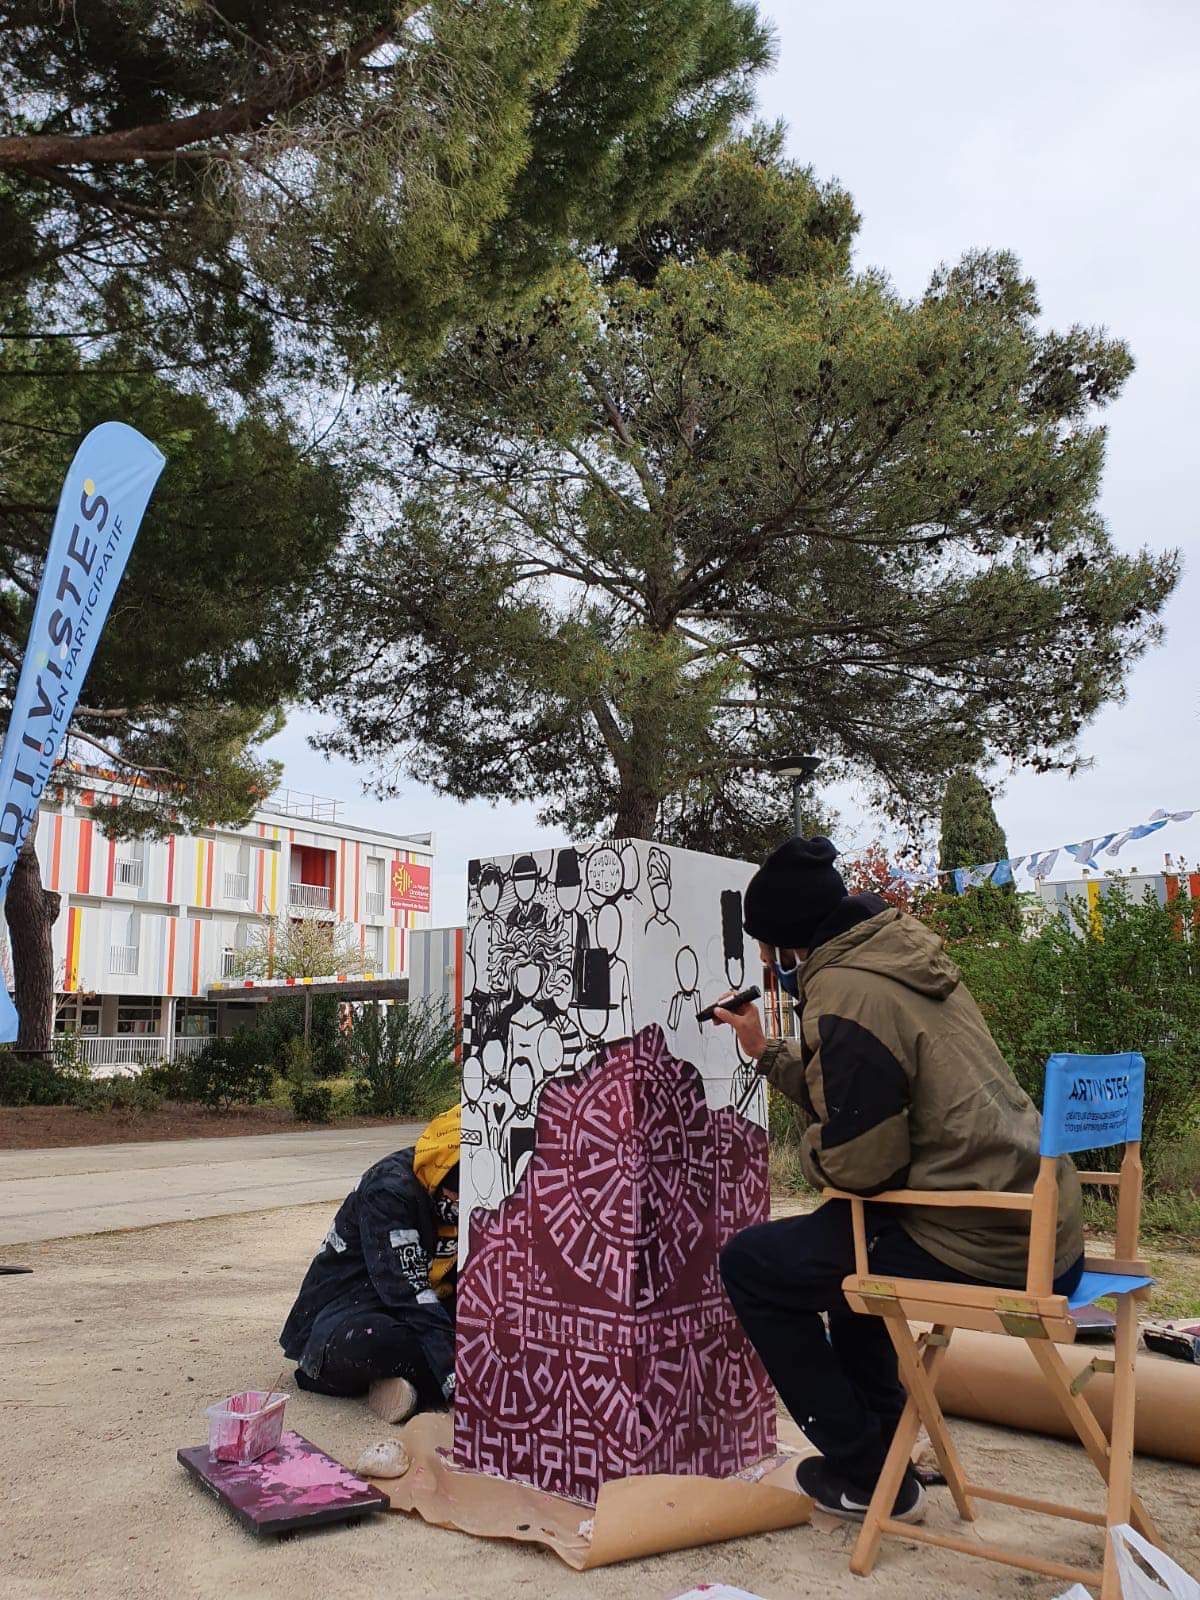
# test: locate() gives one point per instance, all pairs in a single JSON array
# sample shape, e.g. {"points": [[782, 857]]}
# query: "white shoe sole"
{"points": [[392, 1399]]}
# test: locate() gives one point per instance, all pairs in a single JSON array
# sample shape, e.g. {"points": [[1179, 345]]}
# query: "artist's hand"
{"points": [[747, 1024]]}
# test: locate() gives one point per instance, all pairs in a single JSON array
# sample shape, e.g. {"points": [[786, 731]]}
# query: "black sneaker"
{"points": [[829, 1491]]}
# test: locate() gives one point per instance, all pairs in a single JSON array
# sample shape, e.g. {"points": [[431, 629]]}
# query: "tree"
{"points": [[229, 185], [971, 836], [299, 946], [655, 529], [207, 636]]}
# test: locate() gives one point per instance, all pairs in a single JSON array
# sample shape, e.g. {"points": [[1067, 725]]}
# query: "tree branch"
{"points": [[280, 90]]}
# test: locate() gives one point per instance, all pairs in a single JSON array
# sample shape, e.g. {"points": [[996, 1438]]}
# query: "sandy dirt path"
{"points": [[115, 1343]]}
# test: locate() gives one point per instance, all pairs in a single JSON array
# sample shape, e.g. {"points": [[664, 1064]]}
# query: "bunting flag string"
{"points": [[1038, 864]]}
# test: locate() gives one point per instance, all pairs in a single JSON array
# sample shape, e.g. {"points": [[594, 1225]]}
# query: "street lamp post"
{"points": [[801, 769]]}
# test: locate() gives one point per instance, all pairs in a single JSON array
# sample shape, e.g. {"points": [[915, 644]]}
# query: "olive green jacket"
{"points": [[904, 1087]]}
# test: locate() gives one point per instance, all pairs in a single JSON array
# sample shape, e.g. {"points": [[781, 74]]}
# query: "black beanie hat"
{"points": [[793, 892]]}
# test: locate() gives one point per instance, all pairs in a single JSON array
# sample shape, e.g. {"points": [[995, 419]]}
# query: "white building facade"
{"points": [[147, 926]]}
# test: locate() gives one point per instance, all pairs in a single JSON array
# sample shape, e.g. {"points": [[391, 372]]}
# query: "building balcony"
{"points": [[310, 896], [123, 960], [121, 1055], [129, 872], [374, 902], [237, 886]]}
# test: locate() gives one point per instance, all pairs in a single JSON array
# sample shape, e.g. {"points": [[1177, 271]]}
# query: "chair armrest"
{"points": [[977, 1199]]}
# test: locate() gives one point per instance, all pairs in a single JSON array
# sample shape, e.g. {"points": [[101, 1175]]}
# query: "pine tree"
{"points": [[971, 835], [723, 497]]}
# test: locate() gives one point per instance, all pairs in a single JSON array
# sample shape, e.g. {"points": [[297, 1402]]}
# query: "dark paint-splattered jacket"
{"points": [[904, 1087], [377, 1256]]}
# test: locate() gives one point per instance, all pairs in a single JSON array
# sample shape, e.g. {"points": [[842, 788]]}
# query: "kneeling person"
{"points": [[375, 1313]]}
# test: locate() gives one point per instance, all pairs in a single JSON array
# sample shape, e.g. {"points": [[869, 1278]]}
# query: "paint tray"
{"points": [[244, 1426]]}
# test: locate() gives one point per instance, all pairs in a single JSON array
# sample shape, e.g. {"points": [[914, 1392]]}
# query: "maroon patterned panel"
{"points": [[594, 1337]]}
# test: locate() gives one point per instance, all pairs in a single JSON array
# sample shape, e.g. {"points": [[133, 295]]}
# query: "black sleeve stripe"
{"points": [[864, 1083]]}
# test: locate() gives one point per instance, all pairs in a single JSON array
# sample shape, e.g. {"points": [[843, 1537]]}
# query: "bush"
{"points": [[135, 1095], [401, 1058], [29, 1081], [1128, 980], [281, 1021], [228, 1072], [312, 1101]]}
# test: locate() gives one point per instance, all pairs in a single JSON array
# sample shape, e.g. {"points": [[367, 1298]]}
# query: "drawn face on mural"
{"points": [[605, 875], [472, 1079], [522, 1084], [493, 1063], [568, 885], [527, 979], [524, 879], [490, 886], [608, 928], [550, 1051], [687, 970]]}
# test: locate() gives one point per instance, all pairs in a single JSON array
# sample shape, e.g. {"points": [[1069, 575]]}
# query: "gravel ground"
{"points": [[116, 1342]]}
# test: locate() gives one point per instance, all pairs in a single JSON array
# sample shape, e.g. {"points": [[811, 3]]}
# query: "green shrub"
{"points": [[401, 1059], [312, 1101], [29, 1081], [228, 1072], [1127, 980], [281, 1021], [136, 1095], [170, 1080]]}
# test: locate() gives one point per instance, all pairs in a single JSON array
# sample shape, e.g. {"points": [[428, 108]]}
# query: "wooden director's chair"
{"points": [[1091, 1102]]}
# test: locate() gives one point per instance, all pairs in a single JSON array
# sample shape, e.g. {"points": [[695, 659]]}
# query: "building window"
{"points": [[237, 873], [129, 866], [123, 953], [373, 948], [375, 871]]}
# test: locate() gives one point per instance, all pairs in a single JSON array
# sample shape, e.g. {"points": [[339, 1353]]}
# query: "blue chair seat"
{"points": [[1094, 1286]]}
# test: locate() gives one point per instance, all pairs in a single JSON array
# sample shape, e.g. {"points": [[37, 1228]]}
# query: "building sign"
{"points": [[410, 887]]}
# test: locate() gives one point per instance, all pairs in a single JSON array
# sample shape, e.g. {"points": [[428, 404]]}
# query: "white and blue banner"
{"points": [[107, 487], [1040, 863]]}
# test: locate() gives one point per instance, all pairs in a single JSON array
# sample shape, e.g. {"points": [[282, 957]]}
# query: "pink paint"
{"points": [[246, 1425]]}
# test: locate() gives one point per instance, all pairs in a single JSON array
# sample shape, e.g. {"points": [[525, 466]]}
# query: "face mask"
{"points": [[789, 980]]}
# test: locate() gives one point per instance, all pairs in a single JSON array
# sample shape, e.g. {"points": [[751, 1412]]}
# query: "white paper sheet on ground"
{"points": [[717, 1591]]}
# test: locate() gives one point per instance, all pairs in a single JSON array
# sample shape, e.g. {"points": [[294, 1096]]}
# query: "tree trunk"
{"points": [[637, 812], [31, 912]]}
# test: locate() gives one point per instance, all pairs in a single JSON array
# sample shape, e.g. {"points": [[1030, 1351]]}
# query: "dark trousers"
{"points": [[367, 1345], [843, 1388]]}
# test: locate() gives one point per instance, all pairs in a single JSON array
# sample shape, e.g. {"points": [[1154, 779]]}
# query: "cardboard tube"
{"points": [[992, 1378]]}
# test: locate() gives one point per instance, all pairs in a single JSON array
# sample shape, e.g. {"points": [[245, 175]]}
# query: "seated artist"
{"points": [[902, 1086], [375, 1313]]}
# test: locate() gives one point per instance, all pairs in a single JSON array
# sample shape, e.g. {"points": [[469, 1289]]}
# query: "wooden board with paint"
{"points": [[293, 1486]]}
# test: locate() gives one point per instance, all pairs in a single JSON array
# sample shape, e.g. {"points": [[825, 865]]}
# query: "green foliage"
{"points": [[135, 1095], [646, 528], [982, 913], [400, 1057], [31, 1081], [281, 1021], [311, 1101], [353, 173], [1128, 981], [970, 833], [206, 640], [228, 1072]]}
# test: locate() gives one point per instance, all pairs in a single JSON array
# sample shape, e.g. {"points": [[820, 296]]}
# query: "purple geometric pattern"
{"points": [[594, 1338]]}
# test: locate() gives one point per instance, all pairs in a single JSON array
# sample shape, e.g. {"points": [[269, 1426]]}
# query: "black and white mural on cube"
{"points": [[571, 949]]}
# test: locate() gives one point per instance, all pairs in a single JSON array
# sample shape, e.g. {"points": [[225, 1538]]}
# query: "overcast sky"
{"points": [[1067, 132]]}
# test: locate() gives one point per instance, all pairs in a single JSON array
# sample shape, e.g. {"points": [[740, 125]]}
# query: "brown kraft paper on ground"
{"points": [[633, 1517]]}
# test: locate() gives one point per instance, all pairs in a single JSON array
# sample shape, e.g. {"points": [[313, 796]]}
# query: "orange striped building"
{"points": [[147, 926]]}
